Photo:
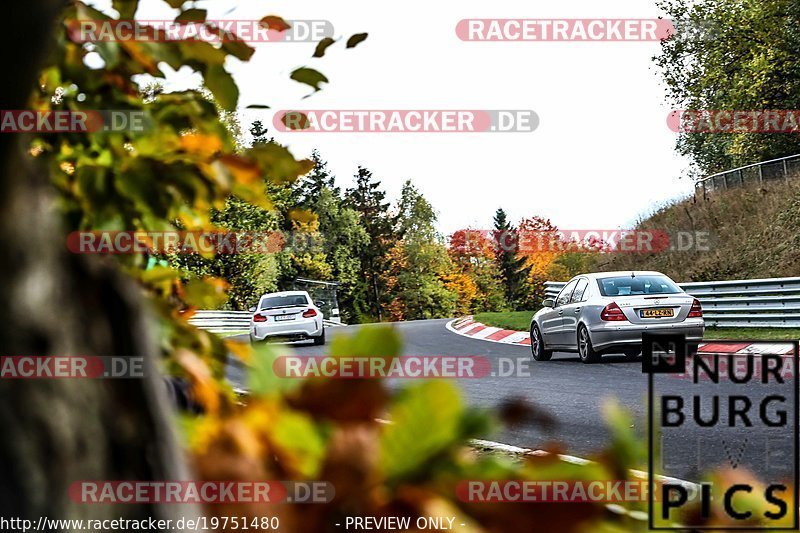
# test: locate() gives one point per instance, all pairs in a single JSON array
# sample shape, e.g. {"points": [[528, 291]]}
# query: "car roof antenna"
{"points": [[633, 274]]}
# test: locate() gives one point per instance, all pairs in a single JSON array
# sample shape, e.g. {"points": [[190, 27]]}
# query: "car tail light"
{"points": [[309, 313], [259, 318], [696, 311], [612, 313]]}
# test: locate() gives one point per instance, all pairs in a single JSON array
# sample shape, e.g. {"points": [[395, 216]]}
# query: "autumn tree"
{"points": [[418, 263], [476, 278]]}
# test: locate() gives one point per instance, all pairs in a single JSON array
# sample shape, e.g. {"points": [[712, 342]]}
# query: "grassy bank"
{"points": [[520, 321], [748, 232], [766, 334], [516, 320]]}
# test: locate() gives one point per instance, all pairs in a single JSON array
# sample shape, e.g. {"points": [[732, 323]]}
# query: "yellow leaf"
{"points": [[203, 387], [242, 350]]}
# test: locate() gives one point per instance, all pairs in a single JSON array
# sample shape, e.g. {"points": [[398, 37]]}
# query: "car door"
{"points": [[555, 323], [572, 312]]}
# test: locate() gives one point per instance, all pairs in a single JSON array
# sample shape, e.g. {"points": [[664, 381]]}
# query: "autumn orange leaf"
{"points": [[201, 144], [244, 170]]}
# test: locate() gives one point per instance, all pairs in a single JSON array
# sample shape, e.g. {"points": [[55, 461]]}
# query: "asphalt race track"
{"points": [[573, 393]]}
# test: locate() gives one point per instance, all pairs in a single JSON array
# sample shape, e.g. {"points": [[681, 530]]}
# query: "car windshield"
{"points": [[637, 285], [292, 300]]}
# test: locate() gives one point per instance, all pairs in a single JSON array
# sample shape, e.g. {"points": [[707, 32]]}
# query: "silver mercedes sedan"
{"points": [[597, 314]]}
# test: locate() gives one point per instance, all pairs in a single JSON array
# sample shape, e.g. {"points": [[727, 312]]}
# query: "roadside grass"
{"points": [[516, 320], [521, 320], [767, 334], [231, 333]]}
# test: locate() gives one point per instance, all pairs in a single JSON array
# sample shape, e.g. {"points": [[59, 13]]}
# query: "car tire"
{"points": [[537, 346], [586, 351], [692, 348], [320, 341]]}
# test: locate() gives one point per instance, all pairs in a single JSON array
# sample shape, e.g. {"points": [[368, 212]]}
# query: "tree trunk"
{"points": [[60, 431]]}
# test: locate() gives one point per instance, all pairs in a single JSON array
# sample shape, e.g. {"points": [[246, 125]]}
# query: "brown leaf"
{"points": [[357, 399], [517, 410]]}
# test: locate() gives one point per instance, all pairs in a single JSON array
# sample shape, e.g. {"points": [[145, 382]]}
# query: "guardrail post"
{"points": [[760, 174], [785, 171]]}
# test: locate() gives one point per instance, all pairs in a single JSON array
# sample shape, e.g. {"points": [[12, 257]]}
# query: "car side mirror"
{"points": [[319, 303], [549, 302], [252, 309]]}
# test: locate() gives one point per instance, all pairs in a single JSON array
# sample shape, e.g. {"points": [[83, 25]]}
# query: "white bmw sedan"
{"points": [[288, 315]]}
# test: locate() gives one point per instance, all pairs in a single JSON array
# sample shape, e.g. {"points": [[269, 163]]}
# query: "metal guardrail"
{"points": [[771, 302], [222, 321], [774, 169], [229, 321]]}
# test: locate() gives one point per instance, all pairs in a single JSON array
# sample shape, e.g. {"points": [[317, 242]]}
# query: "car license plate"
{"points": [[281, 318], [662, 312]]}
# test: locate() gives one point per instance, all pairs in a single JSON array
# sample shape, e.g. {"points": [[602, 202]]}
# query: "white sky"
{"points": [[601, 156]]}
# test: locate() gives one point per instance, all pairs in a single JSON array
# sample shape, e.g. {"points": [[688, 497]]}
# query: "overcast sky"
{"points": [[601, 156]]}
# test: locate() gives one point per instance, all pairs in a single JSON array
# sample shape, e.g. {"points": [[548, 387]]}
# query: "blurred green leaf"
{"points": [[298, 436], [309, 76], [262, 381], [278, 163], [323, 45], [192, 15], [221, 84], [355, 39], [238, 49], [203, 52], [208, 293], [126, 8], [372, 341], [627, 449], [425, 420]]}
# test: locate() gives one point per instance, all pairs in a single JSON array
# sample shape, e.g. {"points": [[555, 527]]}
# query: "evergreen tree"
{"points": [[259, 133], [319, 178], [510, 265], [367, 198]]}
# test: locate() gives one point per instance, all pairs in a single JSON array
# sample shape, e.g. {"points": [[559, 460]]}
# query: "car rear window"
{"points": [[272, 302], [638, 285]]}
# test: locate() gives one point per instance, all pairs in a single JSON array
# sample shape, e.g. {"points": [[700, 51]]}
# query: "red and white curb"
{"points": [[467, 327]]}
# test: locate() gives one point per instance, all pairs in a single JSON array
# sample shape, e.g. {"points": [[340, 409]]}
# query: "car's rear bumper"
{"points": [[611, 335], [303, 328]]}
